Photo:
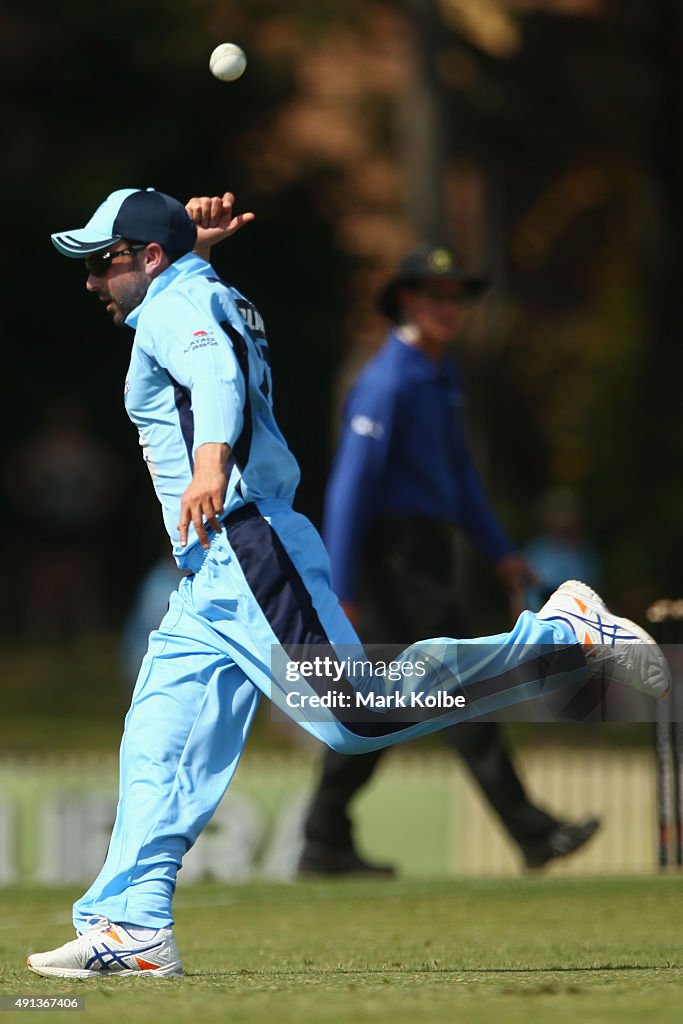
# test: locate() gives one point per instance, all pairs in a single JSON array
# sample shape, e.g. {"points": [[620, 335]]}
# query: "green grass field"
{"points": [[532, 949]]}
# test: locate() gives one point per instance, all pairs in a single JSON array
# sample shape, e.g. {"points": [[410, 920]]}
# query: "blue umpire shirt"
{"points": [[199, 372], [403, 451]]}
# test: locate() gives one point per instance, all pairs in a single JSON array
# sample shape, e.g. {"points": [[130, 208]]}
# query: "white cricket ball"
{"points": [[227, 62]]}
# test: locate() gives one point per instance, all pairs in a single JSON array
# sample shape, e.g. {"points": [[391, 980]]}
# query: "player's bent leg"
{"points": [[274, 560], [498, 672], [542, 652]]}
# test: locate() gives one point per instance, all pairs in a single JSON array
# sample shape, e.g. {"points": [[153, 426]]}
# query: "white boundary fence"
{"points": [[422, 813], [616, 786]]}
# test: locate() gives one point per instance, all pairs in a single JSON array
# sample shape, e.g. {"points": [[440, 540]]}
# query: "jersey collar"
{"points": [[183, 268]]}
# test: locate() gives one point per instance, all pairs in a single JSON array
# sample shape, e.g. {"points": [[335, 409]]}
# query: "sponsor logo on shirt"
{"points": [[366, 427], [201, 339]]}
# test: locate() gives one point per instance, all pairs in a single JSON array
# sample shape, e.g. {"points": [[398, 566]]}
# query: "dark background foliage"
{"points": [[556, 164]]}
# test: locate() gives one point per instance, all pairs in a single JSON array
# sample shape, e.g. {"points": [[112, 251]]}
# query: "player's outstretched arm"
{"points": [[215, 222]]}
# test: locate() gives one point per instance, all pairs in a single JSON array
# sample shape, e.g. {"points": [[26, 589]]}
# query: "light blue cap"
{"points": [[99, 232]]}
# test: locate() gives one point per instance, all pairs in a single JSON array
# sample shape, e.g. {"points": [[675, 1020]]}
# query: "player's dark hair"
{"points": [[171, 254]]}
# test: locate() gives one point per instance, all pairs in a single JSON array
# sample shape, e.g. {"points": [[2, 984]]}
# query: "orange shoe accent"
{"points": [[114, 934], [582, 606], [144, 965], [587, 640]]}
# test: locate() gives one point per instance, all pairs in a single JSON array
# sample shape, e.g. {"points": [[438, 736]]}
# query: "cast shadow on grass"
{"points": [[398, 969]]}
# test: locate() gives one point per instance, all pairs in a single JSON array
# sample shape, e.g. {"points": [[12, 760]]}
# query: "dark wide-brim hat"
{"points": [[428, 263]]}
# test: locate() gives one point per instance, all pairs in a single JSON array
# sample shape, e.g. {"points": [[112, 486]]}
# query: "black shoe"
{"points": [[564, 839], [317, 859]]}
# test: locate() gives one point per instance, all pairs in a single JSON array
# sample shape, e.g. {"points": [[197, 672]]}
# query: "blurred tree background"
{"points": [[541, 138]]}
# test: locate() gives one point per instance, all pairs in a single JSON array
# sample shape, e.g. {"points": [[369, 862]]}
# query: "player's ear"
{"points": [[155, 259]]}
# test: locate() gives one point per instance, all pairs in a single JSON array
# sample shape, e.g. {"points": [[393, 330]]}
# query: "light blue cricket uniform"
{"points": [[199, 373]]}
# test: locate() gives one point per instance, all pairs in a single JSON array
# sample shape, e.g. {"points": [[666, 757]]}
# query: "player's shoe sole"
{"points": [[622, 649], [66, 972]]}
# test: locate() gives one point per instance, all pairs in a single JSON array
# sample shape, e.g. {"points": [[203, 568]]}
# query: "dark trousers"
{"points": [[407, 594]]}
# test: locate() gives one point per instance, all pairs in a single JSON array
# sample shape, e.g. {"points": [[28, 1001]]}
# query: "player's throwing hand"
{"points": [[213, 216]]}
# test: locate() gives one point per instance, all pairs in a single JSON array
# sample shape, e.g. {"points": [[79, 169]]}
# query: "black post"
{"points": [[425, 126]]}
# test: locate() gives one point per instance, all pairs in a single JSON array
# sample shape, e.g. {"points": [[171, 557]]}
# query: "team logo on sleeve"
{"points": [[201, 339], [366, 427]]}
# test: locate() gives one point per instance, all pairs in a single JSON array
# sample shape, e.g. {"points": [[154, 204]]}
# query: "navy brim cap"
{"points": [[428, 263], [139, 215]]}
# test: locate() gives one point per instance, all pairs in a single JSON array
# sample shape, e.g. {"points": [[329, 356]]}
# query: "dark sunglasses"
{"points": [[98, 263]]}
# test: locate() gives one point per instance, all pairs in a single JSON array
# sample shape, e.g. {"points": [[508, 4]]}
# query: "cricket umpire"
{"points": [[403, 482]]}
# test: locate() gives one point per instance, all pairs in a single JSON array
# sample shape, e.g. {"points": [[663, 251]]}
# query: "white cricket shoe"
{"points": [[620, 648], [107, 949]]}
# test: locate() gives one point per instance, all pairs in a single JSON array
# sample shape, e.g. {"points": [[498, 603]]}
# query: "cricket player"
{"points": [[199, 391]]}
